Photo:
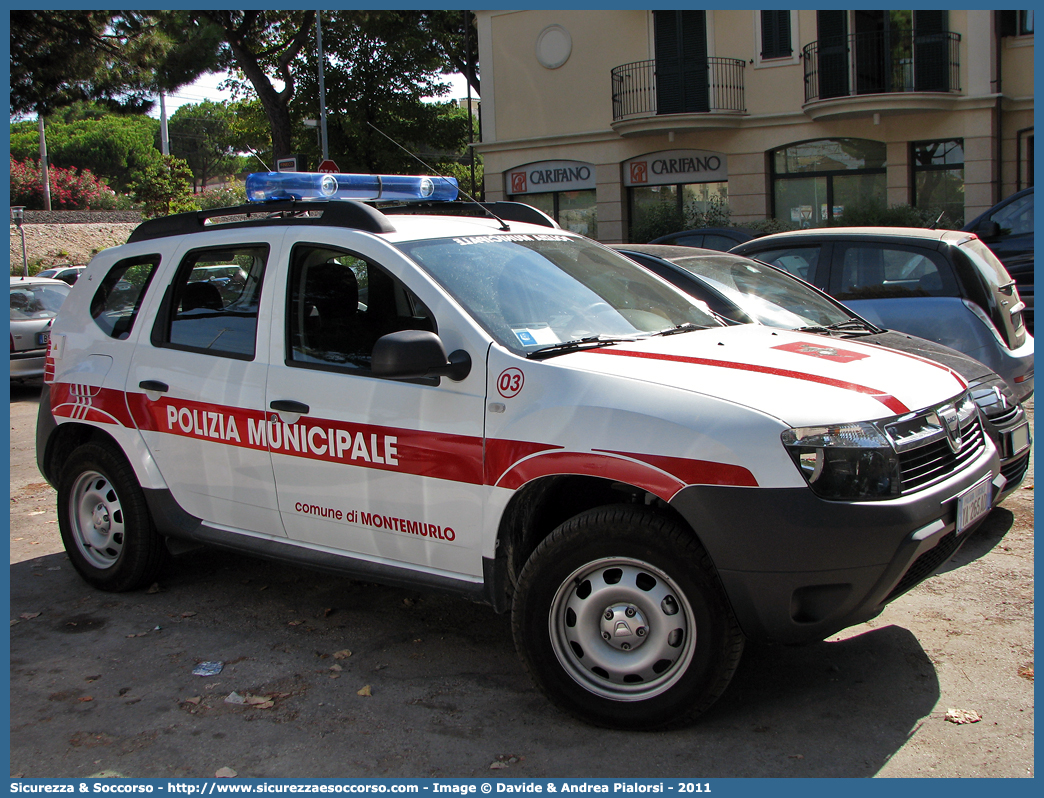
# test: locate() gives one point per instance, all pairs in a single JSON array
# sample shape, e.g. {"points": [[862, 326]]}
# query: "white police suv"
{"points": [[464, 397]]}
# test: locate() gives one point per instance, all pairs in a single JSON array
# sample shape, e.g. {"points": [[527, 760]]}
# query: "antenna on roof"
{"points": [[503, 225]]}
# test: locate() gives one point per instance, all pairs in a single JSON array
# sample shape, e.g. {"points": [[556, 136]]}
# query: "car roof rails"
{"points": [[338, 213], [508, 211]]}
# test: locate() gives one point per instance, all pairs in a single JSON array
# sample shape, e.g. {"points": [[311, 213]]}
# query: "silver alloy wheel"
{"points": [[97, 519], [622, 629]]}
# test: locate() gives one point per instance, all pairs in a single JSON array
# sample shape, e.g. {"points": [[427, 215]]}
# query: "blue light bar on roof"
{"points": [[262, 186]]}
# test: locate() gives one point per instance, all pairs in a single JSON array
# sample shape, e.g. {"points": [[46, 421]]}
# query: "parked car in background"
{"points": [[1007, 229], [943, 285], [720, 238], [66, 273], [34, 304], [745, 291]]}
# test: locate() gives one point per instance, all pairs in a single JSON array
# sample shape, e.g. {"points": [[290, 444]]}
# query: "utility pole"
{"points": [[43, 164], [164, 139], [323, 140]]}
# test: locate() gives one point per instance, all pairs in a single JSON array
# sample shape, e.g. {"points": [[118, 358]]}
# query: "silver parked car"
{"points": [[34, 304], [744, 291]]}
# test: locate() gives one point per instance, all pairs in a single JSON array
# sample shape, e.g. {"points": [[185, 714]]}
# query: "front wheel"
{"points": [[621, 620], [105, 524]]}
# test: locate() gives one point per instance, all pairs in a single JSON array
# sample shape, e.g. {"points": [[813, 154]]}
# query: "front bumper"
{"points": [[797, 568], [1011, 434]]}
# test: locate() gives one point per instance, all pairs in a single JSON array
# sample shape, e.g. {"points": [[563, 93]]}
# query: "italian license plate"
{"points": [[1020, 439], [973, 504], [43, 338]]}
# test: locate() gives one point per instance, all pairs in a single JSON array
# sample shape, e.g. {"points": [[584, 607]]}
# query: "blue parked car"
{"points": [[943, 285]]}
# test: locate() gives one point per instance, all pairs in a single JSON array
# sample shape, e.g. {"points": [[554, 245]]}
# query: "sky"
{"points": [[206, 89]]}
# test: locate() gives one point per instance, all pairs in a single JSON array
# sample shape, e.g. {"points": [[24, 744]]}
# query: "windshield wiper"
{"points": [[591, 342], [681, 328], [848, 326]]}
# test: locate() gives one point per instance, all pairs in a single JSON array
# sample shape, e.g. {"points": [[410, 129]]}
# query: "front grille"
{"points": [[923, 465], [925, 565]]}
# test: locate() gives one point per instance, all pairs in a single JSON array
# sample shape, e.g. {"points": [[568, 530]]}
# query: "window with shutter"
{"points": [[681, 62], [775, 34]]}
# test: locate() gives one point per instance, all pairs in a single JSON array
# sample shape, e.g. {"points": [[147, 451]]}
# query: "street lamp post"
{"points": [[18, 216]]}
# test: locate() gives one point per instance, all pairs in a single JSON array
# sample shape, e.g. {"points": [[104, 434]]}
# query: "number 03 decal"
{"points": [[510, 382]]}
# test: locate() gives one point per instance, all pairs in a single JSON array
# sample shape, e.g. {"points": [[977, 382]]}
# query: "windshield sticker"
{"points": [[535, 336], [828, 352], [501, 239]]}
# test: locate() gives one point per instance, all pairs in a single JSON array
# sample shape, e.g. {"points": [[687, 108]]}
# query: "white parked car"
{"points": [[515, 414]]}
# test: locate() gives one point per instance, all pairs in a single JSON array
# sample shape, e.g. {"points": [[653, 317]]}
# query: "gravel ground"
{"points": [[102, 683], [48, 244]]}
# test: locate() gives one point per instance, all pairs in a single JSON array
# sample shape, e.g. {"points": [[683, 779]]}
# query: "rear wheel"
{"points": [[621, 620], [105, 524]]}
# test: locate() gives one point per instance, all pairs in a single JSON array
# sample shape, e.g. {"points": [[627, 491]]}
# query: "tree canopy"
{"points": [[201, 134], [62, 57]]}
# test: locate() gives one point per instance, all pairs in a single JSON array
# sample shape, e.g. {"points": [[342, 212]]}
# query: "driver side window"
{"points": [[340, 304]]}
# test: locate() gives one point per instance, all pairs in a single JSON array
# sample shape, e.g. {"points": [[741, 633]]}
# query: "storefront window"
{"points": [[574, 210], [938, 178], [813, 181], [660, 210]]}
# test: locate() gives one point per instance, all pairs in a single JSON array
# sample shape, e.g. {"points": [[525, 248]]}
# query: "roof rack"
{"points": [[339, 213], [509, 211]]}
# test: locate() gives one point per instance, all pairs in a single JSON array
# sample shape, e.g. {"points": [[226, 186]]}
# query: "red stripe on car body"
{"points": [[887, 400], [457, 458]]}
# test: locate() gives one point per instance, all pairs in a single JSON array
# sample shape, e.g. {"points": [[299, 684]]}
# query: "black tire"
{"points": [[588, 590], [105, 523]]}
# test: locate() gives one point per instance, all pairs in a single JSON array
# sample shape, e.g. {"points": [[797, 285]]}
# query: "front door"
{"points": [[390, 471]]}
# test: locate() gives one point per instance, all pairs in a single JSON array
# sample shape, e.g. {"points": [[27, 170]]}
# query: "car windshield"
{"points": [[534, 291], [765, 294], [36, 300]]}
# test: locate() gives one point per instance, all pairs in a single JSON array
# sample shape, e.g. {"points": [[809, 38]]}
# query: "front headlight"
{"points": [[845, 461]]}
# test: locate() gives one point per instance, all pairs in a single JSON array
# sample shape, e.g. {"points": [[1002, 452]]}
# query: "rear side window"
{"points": [[212, 305], [799, 261], [116, 302], [875, 271]]}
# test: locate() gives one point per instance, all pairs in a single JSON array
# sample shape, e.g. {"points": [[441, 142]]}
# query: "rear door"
{"points": [[196, 385]]}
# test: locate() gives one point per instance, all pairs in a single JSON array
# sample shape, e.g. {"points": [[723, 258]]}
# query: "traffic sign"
{"points": [[328, 166]]}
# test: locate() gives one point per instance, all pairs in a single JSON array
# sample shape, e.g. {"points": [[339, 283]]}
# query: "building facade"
{"points": [[600, 117]]}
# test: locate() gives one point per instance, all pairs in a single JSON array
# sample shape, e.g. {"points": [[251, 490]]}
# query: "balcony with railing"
{"points": [[867, 65], [709, 91]]}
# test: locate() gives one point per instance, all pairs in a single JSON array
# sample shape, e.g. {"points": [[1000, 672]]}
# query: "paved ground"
{"points": [[103, 683]]}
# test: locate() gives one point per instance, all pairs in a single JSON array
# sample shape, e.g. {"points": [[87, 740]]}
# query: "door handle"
{"points": [[154, 385], [288, 406]]}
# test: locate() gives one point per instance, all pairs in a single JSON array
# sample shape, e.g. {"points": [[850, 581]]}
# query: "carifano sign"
{"points": [[673, 167], [545, 176]]}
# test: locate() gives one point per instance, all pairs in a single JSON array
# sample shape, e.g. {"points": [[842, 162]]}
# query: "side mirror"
{"points": [[988, 230], [413, 354]]}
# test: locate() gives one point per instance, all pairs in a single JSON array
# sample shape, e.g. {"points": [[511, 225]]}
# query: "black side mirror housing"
{"points": [[414, 354], [989, 230]]}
